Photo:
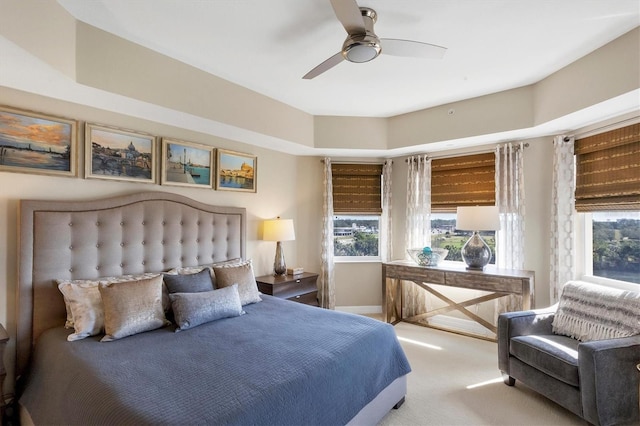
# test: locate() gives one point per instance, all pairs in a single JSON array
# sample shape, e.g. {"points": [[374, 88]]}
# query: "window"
{"points": [[612, 246], [356, 236], [445, 235], [467, 180], [357, 204], [608, 198]]}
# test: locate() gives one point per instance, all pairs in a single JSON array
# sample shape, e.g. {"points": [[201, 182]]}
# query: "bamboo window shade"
{"points": [[463, 181], [608, 170], [357, 188]]}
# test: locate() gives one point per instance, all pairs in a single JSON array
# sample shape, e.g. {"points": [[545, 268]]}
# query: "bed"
{"points": [[238, 360]]}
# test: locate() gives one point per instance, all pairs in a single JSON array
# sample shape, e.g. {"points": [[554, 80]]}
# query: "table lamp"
{"points": [[279, 230], [475, 252]]}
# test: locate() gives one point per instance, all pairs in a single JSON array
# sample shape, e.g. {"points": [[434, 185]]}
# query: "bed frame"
{"points": [[130, 234]]}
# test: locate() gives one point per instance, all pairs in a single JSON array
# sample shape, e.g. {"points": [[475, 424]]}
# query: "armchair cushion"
{"points": [[591, 312], [554, 355]]}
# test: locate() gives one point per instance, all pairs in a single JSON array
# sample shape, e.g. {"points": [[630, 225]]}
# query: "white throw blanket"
{"points": [[592, 312]]}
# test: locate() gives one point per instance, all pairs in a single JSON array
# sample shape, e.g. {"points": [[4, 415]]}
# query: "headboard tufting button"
{"points": [[121, 223], [121, 244]]}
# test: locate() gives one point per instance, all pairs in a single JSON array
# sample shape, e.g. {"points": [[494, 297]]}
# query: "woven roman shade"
{"points": [[357, 188], [463, 181], [608, 170]]}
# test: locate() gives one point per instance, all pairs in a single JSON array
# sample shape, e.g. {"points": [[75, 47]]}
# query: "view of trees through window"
{"points": [[355, 235], [445, 235], [616, 245]]}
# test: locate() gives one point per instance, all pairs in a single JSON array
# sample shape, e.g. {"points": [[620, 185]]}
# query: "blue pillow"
{"points": [[189, 283], [192, 309]]}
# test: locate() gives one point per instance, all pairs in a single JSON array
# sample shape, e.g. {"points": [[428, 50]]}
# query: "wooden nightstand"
{"points": [[4, 338], [298, 288]]}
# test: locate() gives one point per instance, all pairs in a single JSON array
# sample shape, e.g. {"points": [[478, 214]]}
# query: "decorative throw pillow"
{"points": [[187, 270], [132, 307], [189, 283], [192, 309], [84, 309], [591, 312], [241, 274], [166, 304]]}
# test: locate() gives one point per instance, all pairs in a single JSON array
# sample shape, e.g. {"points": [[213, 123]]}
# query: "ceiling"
{"points": [[267, 46]]}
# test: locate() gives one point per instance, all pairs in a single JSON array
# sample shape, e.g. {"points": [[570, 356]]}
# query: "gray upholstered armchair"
{"points": [[597, 380]]}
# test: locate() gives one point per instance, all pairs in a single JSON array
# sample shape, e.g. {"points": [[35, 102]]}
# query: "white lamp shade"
{"points": [[478, 218], [279, 230]]}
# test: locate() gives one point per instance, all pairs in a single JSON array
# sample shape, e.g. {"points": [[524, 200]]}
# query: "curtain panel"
{"points": [[562, 215], [326, 290], [386, 236], [418, 226], [510, 200]]}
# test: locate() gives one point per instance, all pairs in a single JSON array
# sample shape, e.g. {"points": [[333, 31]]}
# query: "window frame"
{"points": [[359, 259], [584, 259]]}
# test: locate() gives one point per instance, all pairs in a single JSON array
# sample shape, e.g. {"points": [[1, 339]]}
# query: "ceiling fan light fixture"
{"points": [[360, 49]]}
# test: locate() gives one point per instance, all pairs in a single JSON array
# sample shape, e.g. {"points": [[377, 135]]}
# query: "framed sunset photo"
{"points": [[236, 171], [117, 154], [32, 142]]}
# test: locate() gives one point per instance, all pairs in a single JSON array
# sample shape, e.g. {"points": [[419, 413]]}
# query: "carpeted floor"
{"points": [[455, 381]]}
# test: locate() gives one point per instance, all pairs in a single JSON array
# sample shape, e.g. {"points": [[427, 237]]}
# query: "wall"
{"points": [[276, 195]]}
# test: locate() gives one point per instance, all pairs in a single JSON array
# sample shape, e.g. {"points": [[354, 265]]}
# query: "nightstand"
{"points": [[300, 288], [4, 338]]}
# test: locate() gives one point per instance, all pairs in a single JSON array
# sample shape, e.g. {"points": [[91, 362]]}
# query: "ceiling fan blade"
{"points": [[349, 15], [325, 66], [413, 49]]}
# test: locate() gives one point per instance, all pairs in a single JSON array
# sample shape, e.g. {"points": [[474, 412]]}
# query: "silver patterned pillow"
{"points": [[192, 309], [132, 307], [241, 274]]}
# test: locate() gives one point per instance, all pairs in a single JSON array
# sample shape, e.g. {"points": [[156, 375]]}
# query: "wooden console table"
{"points": [[498, 282]]}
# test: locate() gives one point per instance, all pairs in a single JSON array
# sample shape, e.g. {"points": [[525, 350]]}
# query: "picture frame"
{"points": [[37, 143], [112, 153], [236, 171], [186, 164]]}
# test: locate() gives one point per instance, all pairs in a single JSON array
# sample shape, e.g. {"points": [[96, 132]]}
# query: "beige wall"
{"points": [[277, 193]]}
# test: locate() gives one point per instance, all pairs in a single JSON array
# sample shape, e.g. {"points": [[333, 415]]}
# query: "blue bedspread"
{"points": [[282, 363]]}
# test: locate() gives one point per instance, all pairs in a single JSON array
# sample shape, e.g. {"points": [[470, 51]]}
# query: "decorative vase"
{"points": [[475, 252]]}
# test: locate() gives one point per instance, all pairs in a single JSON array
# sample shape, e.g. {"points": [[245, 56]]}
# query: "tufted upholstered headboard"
{"points": [[131, 234]]}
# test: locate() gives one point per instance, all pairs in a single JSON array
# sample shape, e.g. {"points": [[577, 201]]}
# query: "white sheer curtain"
{"points": [[418, 229], [510, 202], [326, 291], [418, 225], [386, 246], [562, 215]]}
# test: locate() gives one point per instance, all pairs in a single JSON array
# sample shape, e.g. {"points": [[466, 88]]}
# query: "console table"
{"points": [[497, 282]]}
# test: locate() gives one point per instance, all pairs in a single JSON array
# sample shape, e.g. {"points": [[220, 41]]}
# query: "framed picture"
{"points": [[117, 154], [186, 164], [36, 143], [236, 171]]}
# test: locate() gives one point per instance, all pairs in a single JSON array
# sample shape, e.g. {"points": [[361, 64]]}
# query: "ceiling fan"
{"points": [[363, 45]]}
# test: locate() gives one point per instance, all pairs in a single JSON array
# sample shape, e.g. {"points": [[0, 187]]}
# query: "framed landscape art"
{"points": [[116, 154], [186, 164], [31, 142], [236, 171]]}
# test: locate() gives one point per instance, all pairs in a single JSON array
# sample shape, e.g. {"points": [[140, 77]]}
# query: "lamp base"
{"points": [[279, 265], [475, 252]]}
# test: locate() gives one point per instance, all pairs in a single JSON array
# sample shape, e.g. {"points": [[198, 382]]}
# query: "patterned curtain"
{"points": [[326, 291], [509, 179], [562, 215], [386, 246], [418, 226]]}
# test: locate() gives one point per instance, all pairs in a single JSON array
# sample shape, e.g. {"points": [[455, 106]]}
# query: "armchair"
{"points": [[597, 380]]}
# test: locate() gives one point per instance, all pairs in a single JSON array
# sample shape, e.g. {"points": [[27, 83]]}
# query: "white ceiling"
{"points": [[267, 46]]}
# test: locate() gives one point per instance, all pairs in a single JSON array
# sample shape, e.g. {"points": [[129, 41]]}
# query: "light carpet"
{"points": [[455, 381]]}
